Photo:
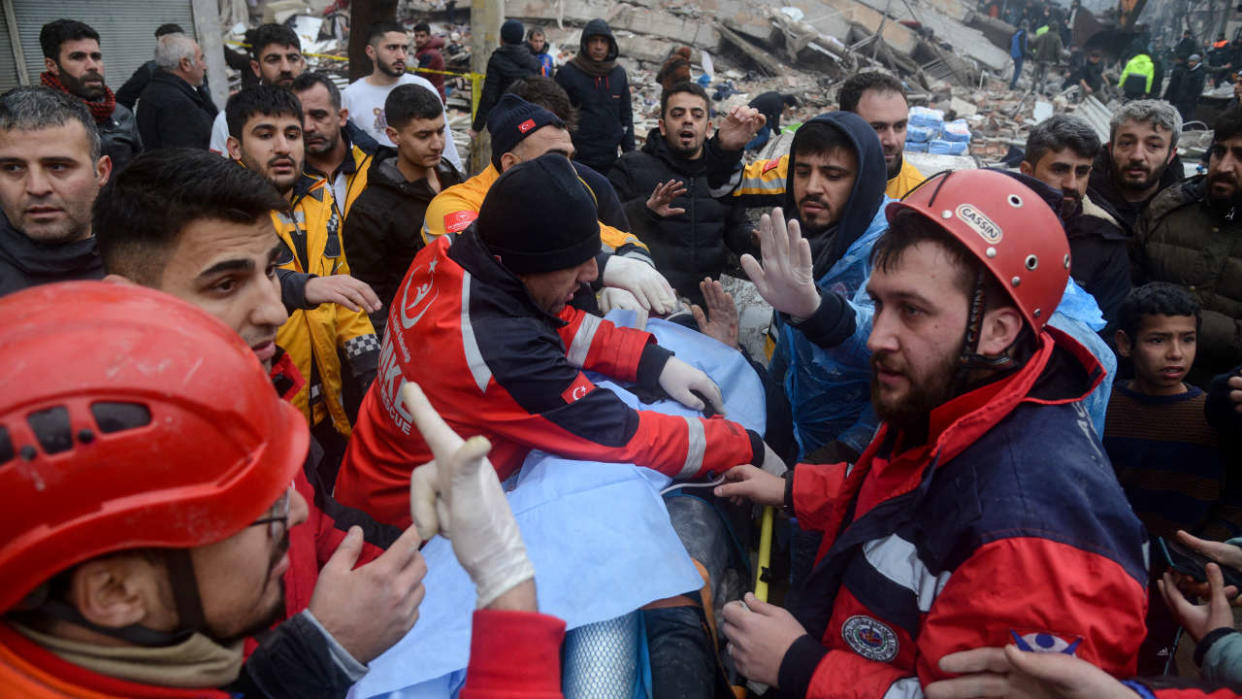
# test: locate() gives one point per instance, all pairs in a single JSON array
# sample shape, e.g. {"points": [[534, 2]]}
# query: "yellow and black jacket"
{"points": [[316, 338], [357, 162]]}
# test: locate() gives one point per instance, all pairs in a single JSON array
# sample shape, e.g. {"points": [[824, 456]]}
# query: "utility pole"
{"points": [[362, 14], [486, 16]]}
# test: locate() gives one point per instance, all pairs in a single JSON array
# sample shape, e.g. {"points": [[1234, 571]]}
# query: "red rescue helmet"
{"points": [[1007, 227], [129, 419]]}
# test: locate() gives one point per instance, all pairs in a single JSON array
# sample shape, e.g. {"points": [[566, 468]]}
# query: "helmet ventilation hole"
{"points": [[1015, 201], [1032, 262], [1067, 262]]}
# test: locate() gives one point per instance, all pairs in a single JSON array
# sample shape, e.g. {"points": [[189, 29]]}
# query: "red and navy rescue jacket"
{"points": [[1006, 525], [493, 363]]}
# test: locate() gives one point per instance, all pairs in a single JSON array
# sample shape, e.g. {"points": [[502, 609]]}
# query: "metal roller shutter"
{"points": [[126, 32]]}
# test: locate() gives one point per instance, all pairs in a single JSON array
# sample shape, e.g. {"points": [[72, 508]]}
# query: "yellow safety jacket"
{"points": [[453, 210], [904, 181], [310, 231], [763, 182], [355, 166]]}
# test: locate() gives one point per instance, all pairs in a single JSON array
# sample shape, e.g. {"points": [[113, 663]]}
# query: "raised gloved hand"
{"points": [[784, 279], [647, 285], [678, 379], [612, 297], [460, 498]]}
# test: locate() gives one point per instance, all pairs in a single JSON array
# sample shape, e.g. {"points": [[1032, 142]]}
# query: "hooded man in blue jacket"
{"points": [[599, 89], [832, 183]]}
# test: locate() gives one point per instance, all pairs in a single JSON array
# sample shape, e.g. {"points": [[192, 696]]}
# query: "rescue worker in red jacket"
{"points": [[984, 511], [196, 226], [484, 326], [148, 523]]}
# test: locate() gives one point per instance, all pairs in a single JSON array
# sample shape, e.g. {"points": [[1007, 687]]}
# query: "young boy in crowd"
{"points": [[1165, 453], [1161, 446], [381, 235]]}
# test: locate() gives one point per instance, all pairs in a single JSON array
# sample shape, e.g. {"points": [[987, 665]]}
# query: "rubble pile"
{"points": [[953, 58]]}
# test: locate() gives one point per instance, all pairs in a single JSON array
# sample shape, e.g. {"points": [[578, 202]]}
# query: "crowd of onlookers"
{"points": [[1003, 407]]}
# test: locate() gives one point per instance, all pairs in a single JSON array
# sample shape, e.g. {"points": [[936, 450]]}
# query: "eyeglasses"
{"points": [[280, 519]]}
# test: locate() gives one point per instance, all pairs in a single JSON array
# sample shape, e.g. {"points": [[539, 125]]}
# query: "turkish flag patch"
{"points": [[578, 389], [526, 125], [458, 221], [771, 165]]}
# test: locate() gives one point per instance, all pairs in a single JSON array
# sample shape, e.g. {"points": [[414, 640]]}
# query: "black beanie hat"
{"points": [[517, 223], [513, 119], [512, 31]]}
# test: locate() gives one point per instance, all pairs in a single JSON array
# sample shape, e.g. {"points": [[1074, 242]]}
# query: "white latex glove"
{"points": [[460, 498], [647, 285], [785, 278], [678, 379], [611, 297], [772, 463]]}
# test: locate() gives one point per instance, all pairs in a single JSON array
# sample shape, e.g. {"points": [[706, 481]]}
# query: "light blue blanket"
{"points": [[598, 535]]}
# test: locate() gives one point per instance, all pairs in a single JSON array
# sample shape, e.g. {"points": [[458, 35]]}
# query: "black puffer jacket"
{"points": [[1184, 238], [691, 245], [381, 235], [605, 114], [507, 64], [25, 262]]}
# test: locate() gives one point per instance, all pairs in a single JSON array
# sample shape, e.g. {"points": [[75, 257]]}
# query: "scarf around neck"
{"points": [[101, 110], [196, 663], [592, 67]]}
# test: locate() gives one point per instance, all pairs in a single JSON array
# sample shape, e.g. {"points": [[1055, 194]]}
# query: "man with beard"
{"points": [[172, 111], [52, 172], [1059, 153], [881, 101], [667, 198], [265, 135], [1191, 235], [1139, 161], [599, 89], [276, 59], [832, 182], [75, 66], [387, 45], [336, 150], [984, 511]]}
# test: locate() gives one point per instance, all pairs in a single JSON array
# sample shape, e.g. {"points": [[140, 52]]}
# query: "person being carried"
{"points": [[510, 354], [984, 510], [380, 238]]}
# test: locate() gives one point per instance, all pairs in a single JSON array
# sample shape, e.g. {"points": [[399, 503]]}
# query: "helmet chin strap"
{"points": [[186, 596], [970, 359]]}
